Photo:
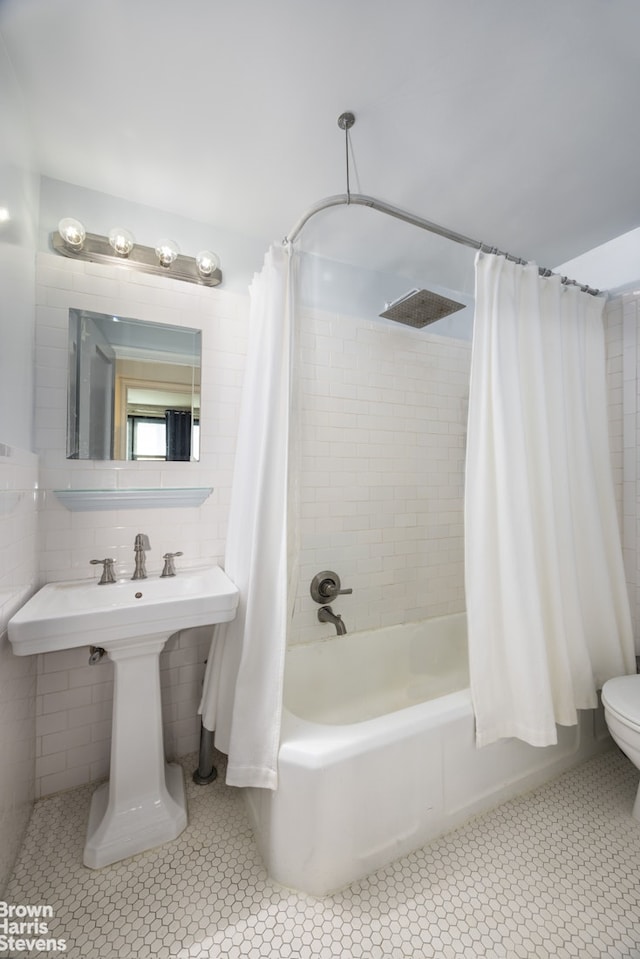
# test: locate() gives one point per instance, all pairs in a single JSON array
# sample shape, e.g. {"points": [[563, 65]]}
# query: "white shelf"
{"points": [[94, 499]]}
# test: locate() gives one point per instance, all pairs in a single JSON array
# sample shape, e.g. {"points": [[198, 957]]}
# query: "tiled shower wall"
{"points": [[383, 412], [73, 698], [382, 427]]}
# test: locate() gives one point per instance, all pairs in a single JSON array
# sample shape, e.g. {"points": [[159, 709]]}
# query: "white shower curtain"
{"points": [[242, 694], [547, 605]]}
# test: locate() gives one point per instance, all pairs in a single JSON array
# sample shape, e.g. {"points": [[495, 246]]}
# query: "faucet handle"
{"points": [[142, 541], [169, 568], [325, 586], [108, 572], [338, 592]]}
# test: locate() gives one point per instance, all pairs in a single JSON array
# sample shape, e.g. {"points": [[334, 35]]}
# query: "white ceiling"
{"points": [[514, 123]]}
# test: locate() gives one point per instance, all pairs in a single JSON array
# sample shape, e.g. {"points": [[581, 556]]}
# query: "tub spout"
{"points": [[327, 615]]}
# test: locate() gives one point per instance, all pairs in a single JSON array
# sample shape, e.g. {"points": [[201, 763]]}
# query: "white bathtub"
{"points": [[378, 755]]}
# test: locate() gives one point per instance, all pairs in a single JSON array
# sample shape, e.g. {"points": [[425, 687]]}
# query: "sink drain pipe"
{"points": [[206, 771]]}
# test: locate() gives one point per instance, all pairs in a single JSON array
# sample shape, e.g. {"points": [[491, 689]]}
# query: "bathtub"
{"points": [[378, 754]]}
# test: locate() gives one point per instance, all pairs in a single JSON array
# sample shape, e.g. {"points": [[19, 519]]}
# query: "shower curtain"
{"points": [[242, 694], [547, 605]]}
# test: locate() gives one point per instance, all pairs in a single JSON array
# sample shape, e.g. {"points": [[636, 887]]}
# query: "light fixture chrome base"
{"points": [[346, 121], [97, 249]]}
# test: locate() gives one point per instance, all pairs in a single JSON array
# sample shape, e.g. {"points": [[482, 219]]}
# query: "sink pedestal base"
{"points": [[112, 836], [143, 804]]}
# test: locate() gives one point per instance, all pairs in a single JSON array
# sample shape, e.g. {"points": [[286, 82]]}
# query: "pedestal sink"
{"points": [[143, 804]]}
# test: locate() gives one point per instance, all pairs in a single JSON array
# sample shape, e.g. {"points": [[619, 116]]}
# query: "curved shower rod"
{"points": [[359, 199]]}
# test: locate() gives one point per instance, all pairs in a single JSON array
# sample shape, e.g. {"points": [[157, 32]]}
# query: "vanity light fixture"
{"points": [[167, 252], [120, 248], [121, 241], [207, 263], [72, 233]]}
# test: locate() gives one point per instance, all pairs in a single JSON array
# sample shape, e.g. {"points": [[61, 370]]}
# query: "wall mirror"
{"points": [[133, 389]]}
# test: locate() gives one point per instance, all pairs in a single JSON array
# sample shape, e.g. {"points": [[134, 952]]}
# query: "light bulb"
{"points": [[166, 251], [121, 241], [72, 232], [207, 263]]}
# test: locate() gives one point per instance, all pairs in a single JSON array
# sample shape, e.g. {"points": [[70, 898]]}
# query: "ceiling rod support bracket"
{"points": [[346, 121]]}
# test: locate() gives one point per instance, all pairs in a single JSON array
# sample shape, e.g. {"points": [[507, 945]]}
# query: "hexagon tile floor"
{"points": [[554, 873]]}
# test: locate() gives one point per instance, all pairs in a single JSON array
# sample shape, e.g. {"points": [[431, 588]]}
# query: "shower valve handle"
{"points": [[329, 589], [325, 586]]}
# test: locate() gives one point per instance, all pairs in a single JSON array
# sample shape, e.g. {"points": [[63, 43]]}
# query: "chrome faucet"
{"points": [[141, 545], [169, 568], [108, 571], [325, 587], [327, 615]]}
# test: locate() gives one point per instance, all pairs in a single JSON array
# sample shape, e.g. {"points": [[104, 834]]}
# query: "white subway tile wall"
{"points": [[18, 580], [381, 446], [73, 698]]}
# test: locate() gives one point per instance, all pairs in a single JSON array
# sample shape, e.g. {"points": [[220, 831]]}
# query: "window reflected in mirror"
{"points": [[133, 389]]}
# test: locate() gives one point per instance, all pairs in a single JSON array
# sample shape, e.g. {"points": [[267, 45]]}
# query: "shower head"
{"points": [[418, 308]]}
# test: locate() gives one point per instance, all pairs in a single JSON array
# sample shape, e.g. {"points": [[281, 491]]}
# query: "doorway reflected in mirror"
{"points": [[133, 389]]}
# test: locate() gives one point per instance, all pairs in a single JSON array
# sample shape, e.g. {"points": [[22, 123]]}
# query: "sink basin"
{"points": [[143, 804], [81, 613]]}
